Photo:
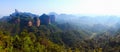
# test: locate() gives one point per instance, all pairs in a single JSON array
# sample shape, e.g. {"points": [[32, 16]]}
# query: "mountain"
{"points": [[104, 20], [27, 32]]}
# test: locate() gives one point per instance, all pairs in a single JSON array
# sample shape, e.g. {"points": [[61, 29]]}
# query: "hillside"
{"points": [[26, 32]]}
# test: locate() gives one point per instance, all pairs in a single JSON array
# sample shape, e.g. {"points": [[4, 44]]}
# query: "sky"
{"points": [[85, 7]]}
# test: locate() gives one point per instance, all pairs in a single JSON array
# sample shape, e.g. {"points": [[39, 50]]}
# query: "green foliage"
{"points": [[54, 38]]}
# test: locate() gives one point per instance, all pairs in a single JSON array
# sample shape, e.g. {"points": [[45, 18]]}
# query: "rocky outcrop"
{"points": [[28, 19], [36, 21], [30, 23], [45, 19], [52, 18]]}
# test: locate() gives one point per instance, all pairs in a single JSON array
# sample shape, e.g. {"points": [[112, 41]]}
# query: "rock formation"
{"points": [[37, 21], [52, 18], [45, 19], [30, 23]]}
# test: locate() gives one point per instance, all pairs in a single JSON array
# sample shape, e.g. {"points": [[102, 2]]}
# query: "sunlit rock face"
{"points": [[30, 23], [45, 19], [38, 22]]}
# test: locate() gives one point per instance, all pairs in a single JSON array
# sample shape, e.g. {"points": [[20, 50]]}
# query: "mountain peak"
{"points": [[16, 11]]}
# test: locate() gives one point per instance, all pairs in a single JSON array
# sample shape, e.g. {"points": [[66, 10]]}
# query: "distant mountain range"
{"points": [[95, 24], [104, 20]]}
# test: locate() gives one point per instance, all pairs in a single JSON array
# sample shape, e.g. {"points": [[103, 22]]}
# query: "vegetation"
{"points": [[19, 37], [52, 38]]}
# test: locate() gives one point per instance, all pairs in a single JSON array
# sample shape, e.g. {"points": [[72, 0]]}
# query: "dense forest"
{"points": [[26, 32]]}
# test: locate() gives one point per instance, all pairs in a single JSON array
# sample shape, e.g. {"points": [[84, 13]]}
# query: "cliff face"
{"points": [[38, 23], [14, 19], [28, 19], [45, 19], [52, 18], [30, 23]]}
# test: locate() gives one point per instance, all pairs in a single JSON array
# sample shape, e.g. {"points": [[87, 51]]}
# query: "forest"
{"points": [[18, 33]]}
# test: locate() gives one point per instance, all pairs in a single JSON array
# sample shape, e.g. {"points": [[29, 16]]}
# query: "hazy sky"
{"points": [[97, 7]]}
